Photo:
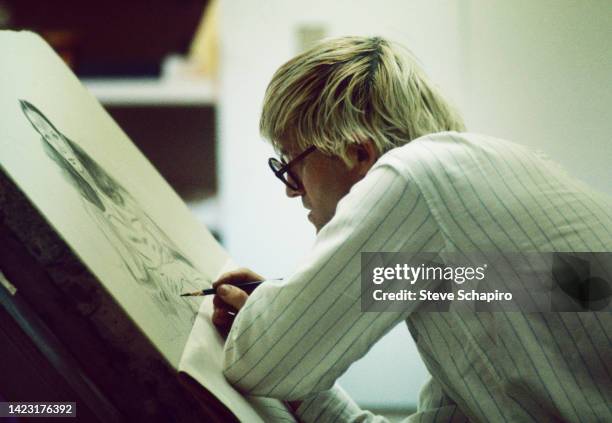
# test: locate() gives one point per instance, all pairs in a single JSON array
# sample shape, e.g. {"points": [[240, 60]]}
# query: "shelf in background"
{"points": [[171, 120], [151, 92]]}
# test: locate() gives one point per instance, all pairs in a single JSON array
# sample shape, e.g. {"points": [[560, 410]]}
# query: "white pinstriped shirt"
{"points": [[447, 192]]}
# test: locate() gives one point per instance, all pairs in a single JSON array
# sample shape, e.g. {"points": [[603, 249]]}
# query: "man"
{"points": [[380, 160]]}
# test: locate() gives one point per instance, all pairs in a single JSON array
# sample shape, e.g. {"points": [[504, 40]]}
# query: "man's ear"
{"points": [[365, 155]]}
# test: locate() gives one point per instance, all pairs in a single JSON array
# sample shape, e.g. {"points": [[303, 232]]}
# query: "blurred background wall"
{"points": [[537, 73]]}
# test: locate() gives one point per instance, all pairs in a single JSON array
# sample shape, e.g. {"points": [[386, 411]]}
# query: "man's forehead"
{"points": [[288, 142], [285, 151], [289, 146], [288, 149]]}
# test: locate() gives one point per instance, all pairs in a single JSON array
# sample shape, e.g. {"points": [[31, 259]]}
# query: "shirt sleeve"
{"points": [[294, 338], [334, 405]]}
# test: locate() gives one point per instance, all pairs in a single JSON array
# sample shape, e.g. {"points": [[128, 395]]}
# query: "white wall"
{"points": [[540, 72], [535, 72]]}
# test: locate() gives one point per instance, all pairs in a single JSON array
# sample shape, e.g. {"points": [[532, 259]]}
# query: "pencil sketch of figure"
{"points": [[147, 252]]}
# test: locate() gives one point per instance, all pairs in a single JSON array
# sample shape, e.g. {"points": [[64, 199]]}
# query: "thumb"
{"points": [[232, 295]]}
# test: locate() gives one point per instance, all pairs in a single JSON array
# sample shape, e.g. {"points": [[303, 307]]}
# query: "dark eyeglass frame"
{"points": [[281, 169]]}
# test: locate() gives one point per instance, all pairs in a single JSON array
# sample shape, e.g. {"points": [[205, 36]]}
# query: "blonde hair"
{"points": [[349, 89]]}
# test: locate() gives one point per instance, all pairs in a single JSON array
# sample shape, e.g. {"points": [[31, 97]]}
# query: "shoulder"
{"points": [[453, 155], [443, 147]]}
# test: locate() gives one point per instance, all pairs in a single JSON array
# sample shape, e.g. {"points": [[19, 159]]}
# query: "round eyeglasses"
{"points": [[282, 169]]}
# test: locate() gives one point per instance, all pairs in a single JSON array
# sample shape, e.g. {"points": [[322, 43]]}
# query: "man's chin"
{"points": [[313, 220], [316, 222]]}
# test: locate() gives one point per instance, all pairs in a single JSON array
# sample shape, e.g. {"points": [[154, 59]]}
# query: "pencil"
{"points": [[247, 286]]}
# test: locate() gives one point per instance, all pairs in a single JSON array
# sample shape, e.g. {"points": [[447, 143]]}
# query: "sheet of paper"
{"points": [[101, 195], [203, 360]]}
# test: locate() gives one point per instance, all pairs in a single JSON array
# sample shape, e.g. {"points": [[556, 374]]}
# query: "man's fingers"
{"points": [[222, 318], [231, 295], [237, 276], [219, 303], [229, 299]]}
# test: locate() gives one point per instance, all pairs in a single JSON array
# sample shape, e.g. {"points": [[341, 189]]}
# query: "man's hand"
{"points": [[230, 299]]}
